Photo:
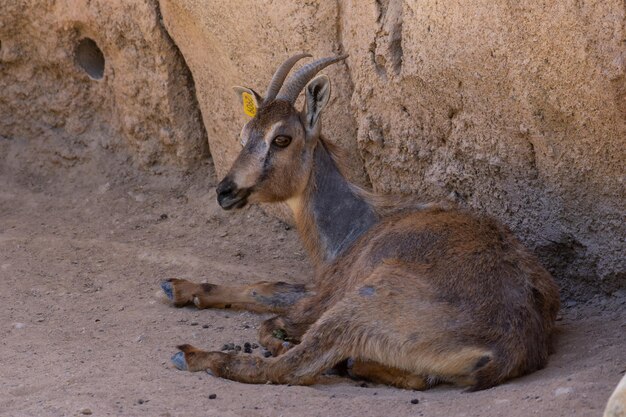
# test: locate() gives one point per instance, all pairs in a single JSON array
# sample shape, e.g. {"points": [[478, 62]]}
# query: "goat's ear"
{"points": [[249, 98], [317, 95]]}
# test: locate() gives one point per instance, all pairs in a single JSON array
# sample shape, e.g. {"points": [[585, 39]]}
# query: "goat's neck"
{"points": [[330, 214]]}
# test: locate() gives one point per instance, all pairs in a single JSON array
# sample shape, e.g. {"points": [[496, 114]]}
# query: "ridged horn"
{"points": [[280, 75], [300, 78]]}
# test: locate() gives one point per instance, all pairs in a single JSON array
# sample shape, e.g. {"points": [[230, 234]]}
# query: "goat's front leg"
{"points": [[261, 297], [301, 365], [320, 349]]}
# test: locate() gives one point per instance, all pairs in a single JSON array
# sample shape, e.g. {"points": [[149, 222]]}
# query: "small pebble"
{"points": [[194, 323], [140, 401], [212, 396], [415, 401], [255, 346], [247, 345], [163, 216], [205, 326], [237, 348], [247, 349], [225, 347], [86, 411], [267, 353]]}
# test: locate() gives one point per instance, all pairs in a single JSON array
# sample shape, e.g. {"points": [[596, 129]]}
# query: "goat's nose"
{"points": [[225, 188]]}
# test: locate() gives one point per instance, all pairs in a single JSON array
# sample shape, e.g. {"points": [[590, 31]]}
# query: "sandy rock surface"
{"points": [[138, 99]]}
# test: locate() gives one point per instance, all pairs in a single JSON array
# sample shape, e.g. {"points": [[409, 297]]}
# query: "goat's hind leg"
{"points": [[331, 339], [262, 296]]}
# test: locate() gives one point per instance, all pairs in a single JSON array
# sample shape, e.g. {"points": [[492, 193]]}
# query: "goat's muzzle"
{"points": [[230, 196]]}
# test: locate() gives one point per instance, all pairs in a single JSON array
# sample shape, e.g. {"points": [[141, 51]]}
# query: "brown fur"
{"points": [[428, 293]]}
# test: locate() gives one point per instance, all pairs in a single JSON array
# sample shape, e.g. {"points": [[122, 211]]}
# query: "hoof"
{"points": [[168, 289], [179, 361], [350, 363]]}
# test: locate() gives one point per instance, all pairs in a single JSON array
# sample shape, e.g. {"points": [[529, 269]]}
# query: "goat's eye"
{"points": [[282, 141]]}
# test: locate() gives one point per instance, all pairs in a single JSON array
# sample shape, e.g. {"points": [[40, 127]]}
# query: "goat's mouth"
{"points": [[234, 201]]}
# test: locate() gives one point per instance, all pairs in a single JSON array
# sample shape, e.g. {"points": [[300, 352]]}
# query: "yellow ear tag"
{"points": [[249, 105]]}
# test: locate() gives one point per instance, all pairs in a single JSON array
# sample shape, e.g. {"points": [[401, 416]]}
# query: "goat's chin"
{"points": [[235, 204], [259, 197]]}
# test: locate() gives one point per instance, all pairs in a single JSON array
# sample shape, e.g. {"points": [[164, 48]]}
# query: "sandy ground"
{"points": [[83, 330]]}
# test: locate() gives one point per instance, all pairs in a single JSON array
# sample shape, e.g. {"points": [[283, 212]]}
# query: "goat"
{"points": [[408, 297]]}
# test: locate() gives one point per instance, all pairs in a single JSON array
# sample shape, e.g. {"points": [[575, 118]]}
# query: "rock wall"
{"points": [[516, 108], [77, 76]]}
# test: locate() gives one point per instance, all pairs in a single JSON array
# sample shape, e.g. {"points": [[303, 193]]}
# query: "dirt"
{"points": [[85, 330]]}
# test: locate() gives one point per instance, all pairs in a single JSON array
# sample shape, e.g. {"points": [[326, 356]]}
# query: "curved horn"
{"points": [[297, 81], [280, 75]]}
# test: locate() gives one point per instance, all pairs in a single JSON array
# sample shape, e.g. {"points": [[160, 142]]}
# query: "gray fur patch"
{"points": [[340, 215], [367, 291], [285, 295]]}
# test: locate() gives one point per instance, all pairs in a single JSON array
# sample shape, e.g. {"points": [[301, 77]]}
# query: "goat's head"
{"points": [[278, 141]]}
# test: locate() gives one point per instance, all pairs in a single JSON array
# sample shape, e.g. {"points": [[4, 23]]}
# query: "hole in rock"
{"points": [[90, 58]]}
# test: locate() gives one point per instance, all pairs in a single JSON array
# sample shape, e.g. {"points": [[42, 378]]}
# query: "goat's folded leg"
{"points": [[299, 366], [279, 334], [262, 296], [382, 374]]}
